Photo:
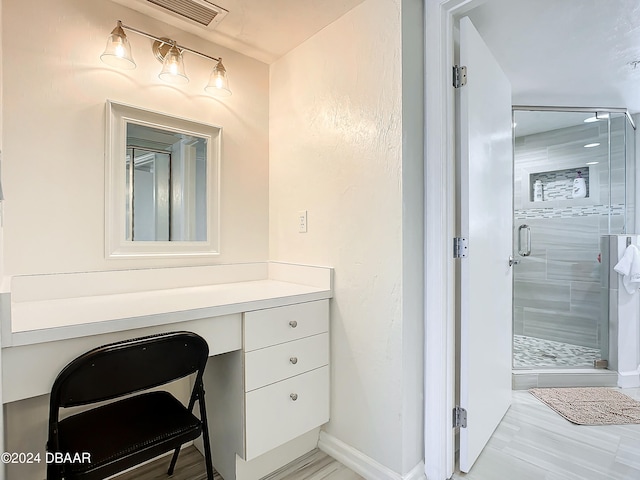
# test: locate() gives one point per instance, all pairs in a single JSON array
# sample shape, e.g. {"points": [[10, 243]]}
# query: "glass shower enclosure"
{"points": [[574, 184]]}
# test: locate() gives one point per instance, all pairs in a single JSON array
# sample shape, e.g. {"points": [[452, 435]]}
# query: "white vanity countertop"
{"points": [[50, 319]]}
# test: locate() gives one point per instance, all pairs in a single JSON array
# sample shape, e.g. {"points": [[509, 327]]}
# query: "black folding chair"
{"points": [[110, 438]]}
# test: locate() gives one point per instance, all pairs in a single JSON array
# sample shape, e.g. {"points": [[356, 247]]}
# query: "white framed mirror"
{"points": [[162, 184]]}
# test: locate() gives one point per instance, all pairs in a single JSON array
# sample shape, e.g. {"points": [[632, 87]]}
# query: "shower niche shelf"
{"points": [[557, 186]]}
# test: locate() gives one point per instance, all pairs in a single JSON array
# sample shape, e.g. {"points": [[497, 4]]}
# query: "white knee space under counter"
{"points": [[267, 326]]}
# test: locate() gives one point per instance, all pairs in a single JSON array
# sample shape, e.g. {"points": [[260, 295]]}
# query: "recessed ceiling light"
{"points": [[591, 145], [592, 163]]}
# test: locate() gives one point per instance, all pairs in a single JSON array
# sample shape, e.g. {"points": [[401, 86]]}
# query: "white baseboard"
{"points": [[629, 379], [362, 464]]}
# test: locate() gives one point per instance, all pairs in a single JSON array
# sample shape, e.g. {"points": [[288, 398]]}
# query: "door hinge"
{"points": [[460, 247], [459, 76], [459, 417]]}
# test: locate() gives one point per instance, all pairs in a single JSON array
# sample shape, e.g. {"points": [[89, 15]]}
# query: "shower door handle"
{"points": [[524, 252]]}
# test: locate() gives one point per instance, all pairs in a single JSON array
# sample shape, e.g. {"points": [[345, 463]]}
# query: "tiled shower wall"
{"points": [[559, 290]]}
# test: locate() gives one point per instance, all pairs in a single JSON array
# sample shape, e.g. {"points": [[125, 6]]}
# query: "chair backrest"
{"points": [[129, 366]]}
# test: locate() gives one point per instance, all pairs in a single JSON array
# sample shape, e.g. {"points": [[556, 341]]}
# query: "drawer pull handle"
{"points": [[294, 396], [293, 360], [293, 324]]}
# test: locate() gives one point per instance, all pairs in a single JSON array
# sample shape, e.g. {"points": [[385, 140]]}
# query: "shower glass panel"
{"points": [[623, 177], [570, 188]]}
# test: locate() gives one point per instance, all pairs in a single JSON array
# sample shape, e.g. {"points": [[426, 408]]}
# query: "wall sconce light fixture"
{"points": [[118, 54]]}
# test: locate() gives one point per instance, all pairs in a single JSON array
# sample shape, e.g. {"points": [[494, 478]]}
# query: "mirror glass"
{"points": [[166, 188], [162, 184]]}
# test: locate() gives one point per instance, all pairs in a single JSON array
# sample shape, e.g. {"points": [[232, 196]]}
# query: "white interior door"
{"points": [[486, 221]]}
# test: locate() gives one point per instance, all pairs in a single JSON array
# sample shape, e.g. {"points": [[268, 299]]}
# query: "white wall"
{"points": [[336, 150], [2, 449], [55, 88], [413, 260]]}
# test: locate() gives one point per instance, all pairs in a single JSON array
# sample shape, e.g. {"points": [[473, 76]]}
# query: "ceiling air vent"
{"points": [[200, 12]]}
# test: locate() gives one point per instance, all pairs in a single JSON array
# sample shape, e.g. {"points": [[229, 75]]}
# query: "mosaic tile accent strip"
{"points": [[558, 185], [569, 212], [531, 352]]}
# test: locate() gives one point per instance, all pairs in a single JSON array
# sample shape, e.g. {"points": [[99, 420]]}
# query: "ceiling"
{"points": [[262, 29], [555, 52], [566, 52]]}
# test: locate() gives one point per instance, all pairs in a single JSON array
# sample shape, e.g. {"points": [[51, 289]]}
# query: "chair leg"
{"points": [[205, 436], [174, 459]]}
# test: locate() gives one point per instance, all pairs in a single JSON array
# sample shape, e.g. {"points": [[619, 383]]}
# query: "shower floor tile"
{"points": [[531, 352]]}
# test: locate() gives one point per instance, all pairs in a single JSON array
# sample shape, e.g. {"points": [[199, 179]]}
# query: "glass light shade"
{"points": [[173, 67], [218, 82], [118, 51]]}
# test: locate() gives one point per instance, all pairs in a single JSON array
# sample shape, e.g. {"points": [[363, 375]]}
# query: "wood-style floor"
{"points": [[315, 465], [190, 466], [534, 443], [531, 443]]}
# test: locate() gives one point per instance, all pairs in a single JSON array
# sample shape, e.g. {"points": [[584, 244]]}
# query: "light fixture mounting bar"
{"points": [[164, 40]]}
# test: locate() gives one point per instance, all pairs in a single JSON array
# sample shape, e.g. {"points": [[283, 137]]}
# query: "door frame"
{"points": [[440, 201]]}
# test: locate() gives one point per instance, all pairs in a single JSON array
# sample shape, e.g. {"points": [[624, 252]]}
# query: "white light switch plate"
{"points": [[302, 221]]}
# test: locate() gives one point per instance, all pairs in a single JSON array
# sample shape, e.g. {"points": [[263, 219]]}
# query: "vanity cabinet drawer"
{"points": [[263, 328], [285, 410], [272, 364]]}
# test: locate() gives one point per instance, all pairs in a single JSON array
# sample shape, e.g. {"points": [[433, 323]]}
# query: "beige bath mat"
{"points": [[591, 405]]}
